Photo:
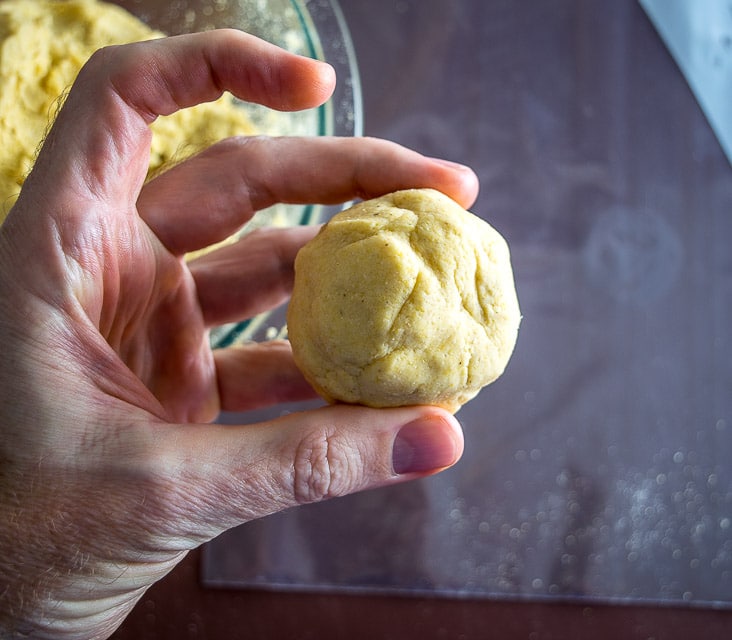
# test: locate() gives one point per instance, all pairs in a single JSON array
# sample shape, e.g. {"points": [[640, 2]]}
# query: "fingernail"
{"points": [[452, 165], [428, 444]]}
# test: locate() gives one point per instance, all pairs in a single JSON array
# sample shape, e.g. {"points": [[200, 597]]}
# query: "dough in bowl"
{"points": [[406, 299], [43, 45]]}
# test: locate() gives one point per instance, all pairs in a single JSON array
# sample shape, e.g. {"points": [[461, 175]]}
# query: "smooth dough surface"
{"points": [[43, 45], [401, 300]]}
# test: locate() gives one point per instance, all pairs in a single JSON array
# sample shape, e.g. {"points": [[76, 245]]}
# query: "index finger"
{"points": [[102, 130]]}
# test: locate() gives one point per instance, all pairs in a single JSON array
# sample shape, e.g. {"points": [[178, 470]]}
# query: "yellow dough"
{"points": [[43, 45], [405, 299]]}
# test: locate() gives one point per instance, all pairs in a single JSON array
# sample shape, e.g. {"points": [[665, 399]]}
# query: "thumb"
{"points": [[237, 474]]}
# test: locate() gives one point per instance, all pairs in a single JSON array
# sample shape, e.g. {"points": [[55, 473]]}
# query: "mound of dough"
{"points": [[43, 45], [402, 300]]}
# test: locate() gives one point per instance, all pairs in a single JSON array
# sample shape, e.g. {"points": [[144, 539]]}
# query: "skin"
{"points": [[110, 468]]}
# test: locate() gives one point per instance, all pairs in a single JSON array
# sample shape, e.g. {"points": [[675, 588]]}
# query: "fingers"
{"points": [[102, 130], [241, 473], [258, 375], [251, 276], [208, 197]]}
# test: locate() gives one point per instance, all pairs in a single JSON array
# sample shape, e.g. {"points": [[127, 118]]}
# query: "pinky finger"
{"points": [[258, 375]]}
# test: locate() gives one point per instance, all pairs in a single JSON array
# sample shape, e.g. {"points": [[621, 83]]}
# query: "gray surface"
{"points": [[699, 36], [598, 467]]}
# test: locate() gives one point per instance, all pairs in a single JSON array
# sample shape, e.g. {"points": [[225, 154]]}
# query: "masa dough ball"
{"points": [[402, 300]]}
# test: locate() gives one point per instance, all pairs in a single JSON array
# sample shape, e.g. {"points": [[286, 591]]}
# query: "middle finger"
{"points": [[208, 197]]}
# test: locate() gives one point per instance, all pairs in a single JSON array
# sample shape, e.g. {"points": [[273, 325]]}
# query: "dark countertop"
{"points": [[178, 607], [599, 167]]}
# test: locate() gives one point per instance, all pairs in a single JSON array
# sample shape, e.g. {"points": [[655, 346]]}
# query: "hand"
{"points": [[109, 469]]}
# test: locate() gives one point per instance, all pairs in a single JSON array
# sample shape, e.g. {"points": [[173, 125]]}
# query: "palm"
{"points": [[155, 326], [139, 296]]}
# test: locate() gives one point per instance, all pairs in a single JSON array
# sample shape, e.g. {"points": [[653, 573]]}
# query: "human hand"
{"points": [[109, 469]]}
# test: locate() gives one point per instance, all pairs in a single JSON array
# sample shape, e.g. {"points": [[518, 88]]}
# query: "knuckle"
{"points": [[325, 466]]}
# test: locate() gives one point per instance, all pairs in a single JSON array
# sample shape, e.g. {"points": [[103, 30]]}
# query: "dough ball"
{"points": [[402, 300]]}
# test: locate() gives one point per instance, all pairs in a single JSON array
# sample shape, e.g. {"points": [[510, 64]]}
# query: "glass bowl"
{"points": [[314, 28]]}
